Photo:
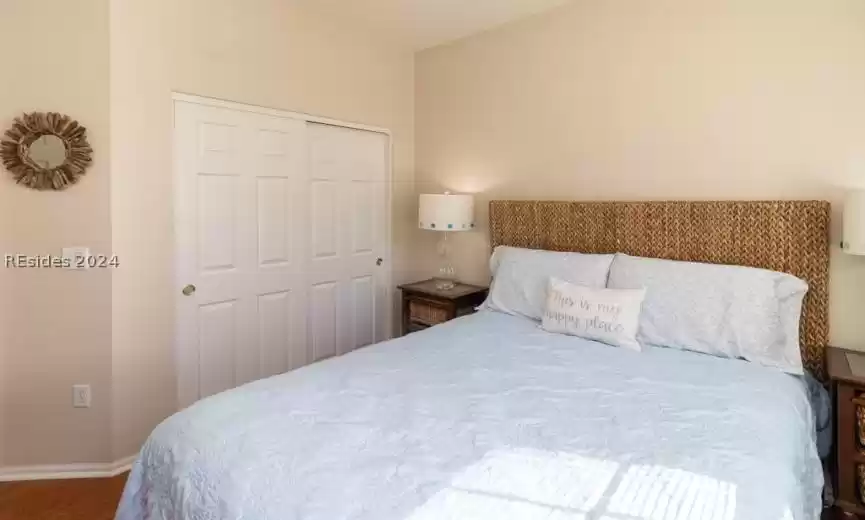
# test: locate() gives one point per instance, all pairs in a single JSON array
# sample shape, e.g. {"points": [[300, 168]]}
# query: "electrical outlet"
{"points": [[81, 397]]}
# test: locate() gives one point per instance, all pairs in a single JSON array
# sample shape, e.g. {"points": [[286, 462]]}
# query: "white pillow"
{"points": [[723, 310], [610, 316], [520, 277]]}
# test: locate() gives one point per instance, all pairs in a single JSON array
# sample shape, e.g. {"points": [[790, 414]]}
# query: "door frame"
{"points": [[256, 109]]}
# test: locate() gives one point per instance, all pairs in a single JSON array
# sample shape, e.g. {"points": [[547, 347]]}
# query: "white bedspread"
{"points": [[488, 417]]}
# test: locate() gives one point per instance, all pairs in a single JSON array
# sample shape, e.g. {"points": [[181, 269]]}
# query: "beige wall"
{"points": [[57, 331], [666, 99], [262, 52], [113, 64]]}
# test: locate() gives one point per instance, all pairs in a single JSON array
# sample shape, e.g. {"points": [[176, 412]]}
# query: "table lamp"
{"points": [[445, 213]]}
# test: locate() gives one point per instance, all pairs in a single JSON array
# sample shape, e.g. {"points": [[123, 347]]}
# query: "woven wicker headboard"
{"points": [[787, 236]]}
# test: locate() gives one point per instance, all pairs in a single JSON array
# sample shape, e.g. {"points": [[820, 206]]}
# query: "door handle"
{"points": [[189, 289], [379, 262]]}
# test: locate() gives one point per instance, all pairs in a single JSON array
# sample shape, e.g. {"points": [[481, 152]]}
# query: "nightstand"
{"points": [[848, 403], [424, 306]]}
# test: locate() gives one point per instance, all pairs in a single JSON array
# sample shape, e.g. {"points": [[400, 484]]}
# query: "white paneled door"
{"points": [[281, 228], [347, 203]]}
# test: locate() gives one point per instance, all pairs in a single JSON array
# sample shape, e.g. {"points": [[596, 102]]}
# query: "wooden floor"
{"points": [[87, 499], [83, 499]]}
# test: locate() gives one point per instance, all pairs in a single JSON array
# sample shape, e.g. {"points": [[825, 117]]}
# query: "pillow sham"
{"points": [[611, 316], [723, 310], [520, 277]]}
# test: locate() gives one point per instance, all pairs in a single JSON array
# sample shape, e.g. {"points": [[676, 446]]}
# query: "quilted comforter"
{"points": [[489, 417]]}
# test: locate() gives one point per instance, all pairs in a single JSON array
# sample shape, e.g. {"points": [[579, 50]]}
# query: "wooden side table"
{"points": [[848, 403], [424, 306]]}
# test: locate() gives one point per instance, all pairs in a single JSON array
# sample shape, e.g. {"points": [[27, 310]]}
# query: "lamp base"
{"points": [[445, 281], [444, 284]]}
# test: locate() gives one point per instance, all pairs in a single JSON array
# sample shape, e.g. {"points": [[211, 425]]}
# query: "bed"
{"points": [[489, 417]]}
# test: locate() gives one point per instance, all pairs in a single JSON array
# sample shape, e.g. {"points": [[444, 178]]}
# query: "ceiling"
{"points": [[426, 23]]}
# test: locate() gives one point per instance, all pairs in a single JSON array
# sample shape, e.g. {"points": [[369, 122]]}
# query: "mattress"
{"points": [[489, 417]]}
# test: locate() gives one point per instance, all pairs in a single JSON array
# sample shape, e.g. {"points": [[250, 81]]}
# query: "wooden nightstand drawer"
{"points": [[851, 410], [859, 405], [426, 312]]}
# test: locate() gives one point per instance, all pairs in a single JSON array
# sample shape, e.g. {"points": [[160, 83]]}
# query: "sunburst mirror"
{"points": [[46, 151]]}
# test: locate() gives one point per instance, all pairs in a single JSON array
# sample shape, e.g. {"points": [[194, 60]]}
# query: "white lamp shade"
{"points": [[446, 212], [854, 223]]}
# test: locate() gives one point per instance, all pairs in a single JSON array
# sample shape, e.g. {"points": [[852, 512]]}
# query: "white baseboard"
{"points": [[67, 471]]}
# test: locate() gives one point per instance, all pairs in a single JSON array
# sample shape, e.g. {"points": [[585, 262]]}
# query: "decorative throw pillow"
{"points": [[610, 316], [520, 277]]}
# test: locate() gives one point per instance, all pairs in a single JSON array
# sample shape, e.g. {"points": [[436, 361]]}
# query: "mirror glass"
{"points": [[48, 151]]}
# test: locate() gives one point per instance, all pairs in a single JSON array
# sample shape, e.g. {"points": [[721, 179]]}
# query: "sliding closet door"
{"points": [[281, 228], [348, 199], [240, 198]]}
